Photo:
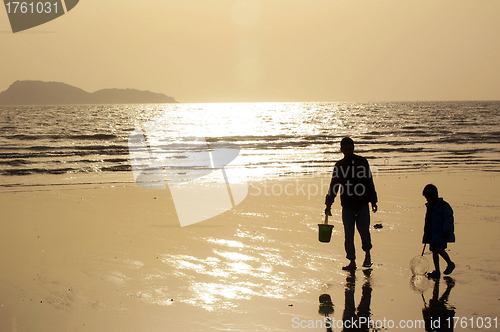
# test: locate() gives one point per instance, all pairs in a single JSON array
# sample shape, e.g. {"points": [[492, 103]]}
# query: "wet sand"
{"points": [[113, 257]]}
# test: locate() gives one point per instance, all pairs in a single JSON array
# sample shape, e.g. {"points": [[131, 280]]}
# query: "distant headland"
{"points": [[56, 93]]}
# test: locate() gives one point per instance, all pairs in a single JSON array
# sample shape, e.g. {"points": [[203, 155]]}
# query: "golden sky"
{"points": [[266, 50]]}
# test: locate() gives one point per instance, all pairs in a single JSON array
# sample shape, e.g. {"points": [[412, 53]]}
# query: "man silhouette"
{"points": [[352, 176]]}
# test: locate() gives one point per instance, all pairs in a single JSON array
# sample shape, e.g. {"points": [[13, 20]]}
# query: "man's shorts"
{"points": [[438, 247]]}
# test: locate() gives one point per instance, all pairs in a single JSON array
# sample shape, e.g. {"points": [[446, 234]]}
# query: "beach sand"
{"points": [[94, 257]]}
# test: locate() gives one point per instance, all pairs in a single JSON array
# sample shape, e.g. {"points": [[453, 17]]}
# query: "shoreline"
{"points": [[125, 178]]}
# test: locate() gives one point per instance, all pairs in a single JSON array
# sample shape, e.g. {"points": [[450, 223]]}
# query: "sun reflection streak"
{"points": [[221, 281], [234, 256], [222, 272], [234, 244]]}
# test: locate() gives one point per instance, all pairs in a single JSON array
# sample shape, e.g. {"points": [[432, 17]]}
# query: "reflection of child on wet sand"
{"points": [[438, 315], [438, 229]]}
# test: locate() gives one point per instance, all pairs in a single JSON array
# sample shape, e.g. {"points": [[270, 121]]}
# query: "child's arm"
{"points": [[448, 222]]}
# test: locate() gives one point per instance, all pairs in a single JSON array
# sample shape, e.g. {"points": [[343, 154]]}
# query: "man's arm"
{"points": [[372, 194], [332, 192]]}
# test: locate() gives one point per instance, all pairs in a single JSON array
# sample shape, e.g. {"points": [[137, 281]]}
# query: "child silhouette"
{"points": [[438, 229]]}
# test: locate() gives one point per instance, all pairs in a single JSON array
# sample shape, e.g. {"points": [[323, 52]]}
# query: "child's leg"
{"points": [[451, 266], [435, 258], [434, 274], [446, 257]]}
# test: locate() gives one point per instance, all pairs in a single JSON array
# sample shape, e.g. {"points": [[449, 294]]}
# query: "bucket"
{"points": [[325, 231]]}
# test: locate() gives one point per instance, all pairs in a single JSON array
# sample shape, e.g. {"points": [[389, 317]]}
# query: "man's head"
{"points": [[431, 193], [347, 146]]}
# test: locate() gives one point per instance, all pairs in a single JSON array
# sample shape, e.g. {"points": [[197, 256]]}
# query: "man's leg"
{"points": [[349, 220], [363, 226]]}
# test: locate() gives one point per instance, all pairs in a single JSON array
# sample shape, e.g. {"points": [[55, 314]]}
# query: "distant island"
{"points": [[56, 93]]}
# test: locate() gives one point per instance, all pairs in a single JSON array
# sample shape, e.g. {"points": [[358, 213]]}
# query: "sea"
{"points": [[274, 139]]}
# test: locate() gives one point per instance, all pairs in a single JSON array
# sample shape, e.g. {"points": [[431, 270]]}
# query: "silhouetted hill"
{"points": [[129, 96], [56, 93]]}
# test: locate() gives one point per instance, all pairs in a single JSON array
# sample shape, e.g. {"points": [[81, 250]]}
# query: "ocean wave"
{"points": [[15, 162], [94, 137], [279, 136], [29, 171]]}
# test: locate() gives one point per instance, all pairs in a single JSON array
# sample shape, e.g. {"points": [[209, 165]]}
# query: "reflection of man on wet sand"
{"points": [[326, 309], [353, 178], [353, 319], [357, 321]]}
